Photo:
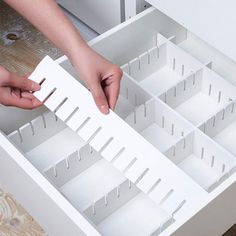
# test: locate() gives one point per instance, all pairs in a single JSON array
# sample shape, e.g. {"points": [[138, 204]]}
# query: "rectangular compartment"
{"points": [[200, 95], [131, 96], [121, 212], [158, 123], [202, 159], [45, 140], [221, 127], [161, 67]]}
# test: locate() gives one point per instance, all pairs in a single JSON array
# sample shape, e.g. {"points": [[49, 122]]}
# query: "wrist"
{"points": [[78, 53]]}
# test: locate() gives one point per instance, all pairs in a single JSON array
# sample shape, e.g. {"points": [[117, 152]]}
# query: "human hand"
{"points": [[17, 91], [100, 76]]}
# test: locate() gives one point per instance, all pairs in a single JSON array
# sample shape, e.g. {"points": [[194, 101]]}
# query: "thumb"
{"points": [[22, 83], [100, 98]]}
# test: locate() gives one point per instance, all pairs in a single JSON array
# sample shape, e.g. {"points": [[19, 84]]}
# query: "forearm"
{"points": [[46, 16]]}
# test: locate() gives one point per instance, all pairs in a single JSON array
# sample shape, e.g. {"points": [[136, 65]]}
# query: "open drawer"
{"points": [[159, 165]]}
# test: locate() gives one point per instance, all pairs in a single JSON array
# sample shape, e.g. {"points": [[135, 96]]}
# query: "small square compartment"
{"points": [[222, 127], [131, 96], [202, 159], [161, 67], [37, 138], [127, 211], [200, 95], [92, 182], [158, 123]]}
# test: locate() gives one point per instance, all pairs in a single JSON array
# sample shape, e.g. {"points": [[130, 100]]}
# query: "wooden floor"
{"points": [[21, 48], [24, 53]]}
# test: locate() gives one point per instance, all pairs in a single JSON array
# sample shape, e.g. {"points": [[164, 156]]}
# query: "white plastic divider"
{"points": [[159, 124], [200, 95], [161, 67], [37, 138], [119, 142], [111, 201], [221, 127], [131, 96], [37, 131], [74, 164], [202, 159], [121, 211]]}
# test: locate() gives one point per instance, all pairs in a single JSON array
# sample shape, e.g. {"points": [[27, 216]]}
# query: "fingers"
{"points": [[99, 97], [21, 83], [25, 100], [113, 89]]}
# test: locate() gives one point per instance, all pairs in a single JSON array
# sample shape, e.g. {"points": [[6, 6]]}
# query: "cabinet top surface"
{"points": [[213, 21]]}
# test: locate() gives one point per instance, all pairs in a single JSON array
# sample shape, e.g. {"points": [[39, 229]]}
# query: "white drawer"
{"points": [[170, 171]]}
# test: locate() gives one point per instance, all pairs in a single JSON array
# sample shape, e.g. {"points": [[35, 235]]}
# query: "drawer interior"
{"points": [[91, 183], [172, 96]]}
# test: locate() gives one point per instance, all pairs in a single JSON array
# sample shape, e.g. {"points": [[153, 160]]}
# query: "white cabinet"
{"points": [[103, 15], [162, 164]]}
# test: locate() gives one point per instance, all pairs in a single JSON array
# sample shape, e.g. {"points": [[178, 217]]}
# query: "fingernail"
{"points": [[35, 86], [104, 109]]}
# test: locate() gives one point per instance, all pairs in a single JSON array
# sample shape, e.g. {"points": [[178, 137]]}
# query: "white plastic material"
{"points": [[142, 170]]}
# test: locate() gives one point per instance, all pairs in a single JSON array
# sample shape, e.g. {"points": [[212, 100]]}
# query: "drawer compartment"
{"points": [[158, 123], [199, 96], [37, 137], [161, 67], [202, 159], [122, 211], [221, 127], [131, 96]]}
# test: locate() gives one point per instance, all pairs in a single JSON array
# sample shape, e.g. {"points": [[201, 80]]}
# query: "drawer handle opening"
{"points": [[202, 159]]}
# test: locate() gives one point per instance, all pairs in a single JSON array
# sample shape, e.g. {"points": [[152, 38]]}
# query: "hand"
{"points": [[17, 91], [100, 76]]}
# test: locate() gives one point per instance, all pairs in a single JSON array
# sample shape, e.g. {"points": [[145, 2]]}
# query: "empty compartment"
{"points": [[127, 211], [131, 95], [158, 123], [161, 67], [45, 140], [202, 159], [95, 177], [222, 127], [200, 95]]}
